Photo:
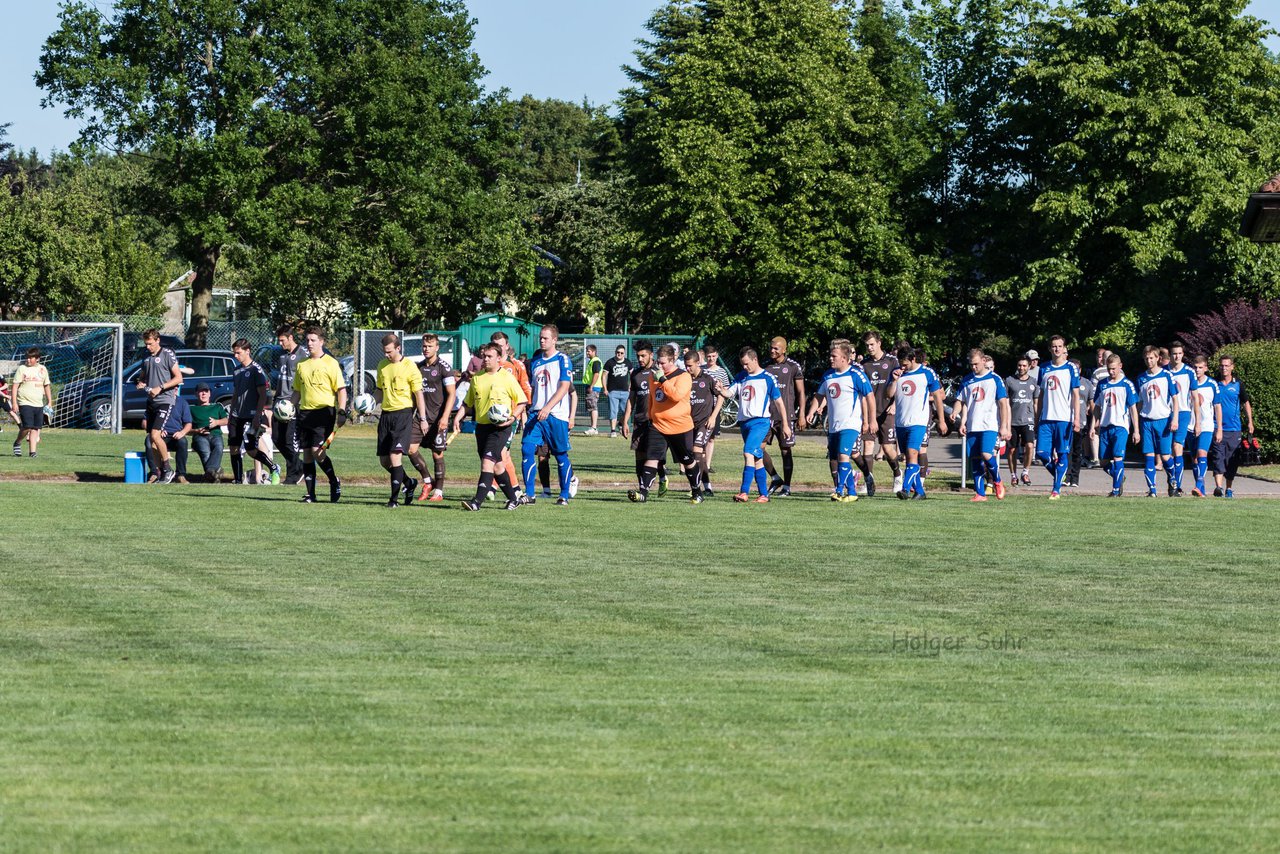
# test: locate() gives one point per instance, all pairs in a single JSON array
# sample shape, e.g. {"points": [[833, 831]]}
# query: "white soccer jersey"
{"points": [[1183, 379], [1207, 392], [981, 396], [1156, 391], [844, 392], [756, 393], [546, 374], [1114, 400], [912, 391], [1056, 383]]}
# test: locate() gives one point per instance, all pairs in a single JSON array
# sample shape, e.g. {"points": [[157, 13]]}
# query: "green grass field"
{"points": [[219, 668]]}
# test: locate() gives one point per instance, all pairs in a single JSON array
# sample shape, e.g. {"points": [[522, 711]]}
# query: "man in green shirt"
{"points": [[207, 419], [593, 379]]}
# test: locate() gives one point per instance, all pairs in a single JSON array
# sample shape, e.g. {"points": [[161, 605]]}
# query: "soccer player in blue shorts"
{"points": [[1115, 406], [982, 408], [1183, 377], [1206, 420], [758, 397], [1157, 412], [1059, 412], [911, 393], [551, 376], [846, 393]]}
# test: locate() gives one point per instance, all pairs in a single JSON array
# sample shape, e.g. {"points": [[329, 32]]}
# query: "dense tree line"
{"points": [[953, 171]]}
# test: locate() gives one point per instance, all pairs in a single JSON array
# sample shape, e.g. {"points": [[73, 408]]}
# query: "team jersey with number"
{"points": [[398, 381], [1206, 396], [548, 372], [911, 395], [880, 374], [1183, 379], [246, 380], [158, 370], [844, 391], [702, 397], [755, 393], [981, 395], [1156, 391], [437, 379], [1114, 400], [317, 382], [1056, 383], [785, 374]]}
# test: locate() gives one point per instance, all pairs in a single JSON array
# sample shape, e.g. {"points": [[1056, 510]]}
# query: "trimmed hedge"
{"points": [[1258, 367]]}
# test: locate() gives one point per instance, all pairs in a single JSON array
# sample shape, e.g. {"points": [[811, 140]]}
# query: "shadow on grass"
{"points": [[98, 477]]}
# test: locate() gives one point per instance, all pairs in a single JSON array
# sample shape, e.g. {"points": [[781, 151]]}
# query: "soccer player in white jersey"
{"points": [[1059, 413], [847, 395], [1115, 407], [1183, 377], [982, 408], [551, 377], [911, 392], [758, 398], [1206, 419], [1157, 411]]}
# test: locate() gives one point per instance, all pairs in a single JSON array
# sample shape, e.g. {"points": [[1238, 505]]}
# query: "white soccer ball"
{"points": [[363, 403], [499, 413], [285, 410]]}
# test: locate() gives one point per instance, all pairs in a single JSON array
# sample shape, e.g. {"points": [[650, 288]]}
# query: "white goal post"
{"points": [[85, 363]]}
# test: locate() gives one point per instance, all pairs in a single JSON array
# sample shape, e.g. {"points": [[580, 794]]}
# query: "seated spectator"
{"points": [[206, 436], [174, 433]]}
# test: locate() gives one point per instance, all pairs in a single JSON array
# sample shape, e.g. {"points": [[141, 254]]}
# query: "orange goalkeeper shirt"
{"points": [[669, 403]]}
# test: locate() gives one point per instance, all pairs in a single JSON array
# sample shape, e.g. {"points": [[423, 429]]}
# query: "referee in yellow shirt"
{"points": [[399, 388], [319, 394]]}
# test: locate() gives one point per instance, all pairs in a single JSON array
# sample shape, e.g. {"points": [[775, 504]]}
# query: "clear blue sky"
{"points": [[568, 49]]}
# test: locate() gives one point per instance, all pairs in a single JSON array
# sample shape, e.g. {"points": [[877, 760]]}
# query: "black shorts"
{"points": [[157, 414], [435, 438], [395, 431], [1021, 436], [491, 441], [5, 403], [32, 417], [886, 432], [681, 445], [648, 442], [241, 435], [701, 436], [315, 425], [775, 429]]}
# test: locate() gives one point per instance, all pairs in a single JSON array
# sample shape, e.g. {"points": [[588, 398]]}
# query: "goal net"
{"points": [[85, 363]]}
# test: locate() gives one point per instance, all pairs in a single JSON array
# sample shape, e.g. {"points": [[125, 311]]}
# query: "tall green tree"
{"points": [[344, 140], [757, 140], [1154, 121]]}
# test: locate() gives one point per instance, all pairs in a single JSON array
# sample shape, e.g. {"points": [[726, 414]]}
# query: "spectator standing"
{"points": [[31, 391], [593, 380], [617, 373]]}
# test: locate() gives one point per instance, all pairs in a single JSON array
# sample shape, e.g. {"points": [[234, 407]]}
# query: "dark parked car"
{"points": [[92, 399]]}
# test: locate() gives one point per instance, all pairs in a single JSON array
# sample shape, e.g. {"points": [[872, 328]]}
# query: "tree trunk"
{"points": [[202, 296]]}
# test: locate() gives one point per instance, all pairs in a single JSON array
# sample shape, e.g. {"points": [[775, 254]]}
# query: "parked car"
{"points": [[89, 401]]}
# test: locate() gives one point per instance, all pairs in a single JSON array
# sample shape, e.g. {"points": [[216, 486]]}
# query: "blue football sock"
{"points": [[1149, 469], [1202, 466], [762, 480], [748, 475], [993, 469], [529, 467], [1179, 464], [1059, 472], [565, 469], [844, 481], [912, 478], [1117, 474]]}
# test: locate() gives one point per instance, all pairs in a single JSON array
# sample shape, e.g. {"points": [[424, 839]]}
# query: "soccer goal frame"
{"points": [[74, 388]]}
